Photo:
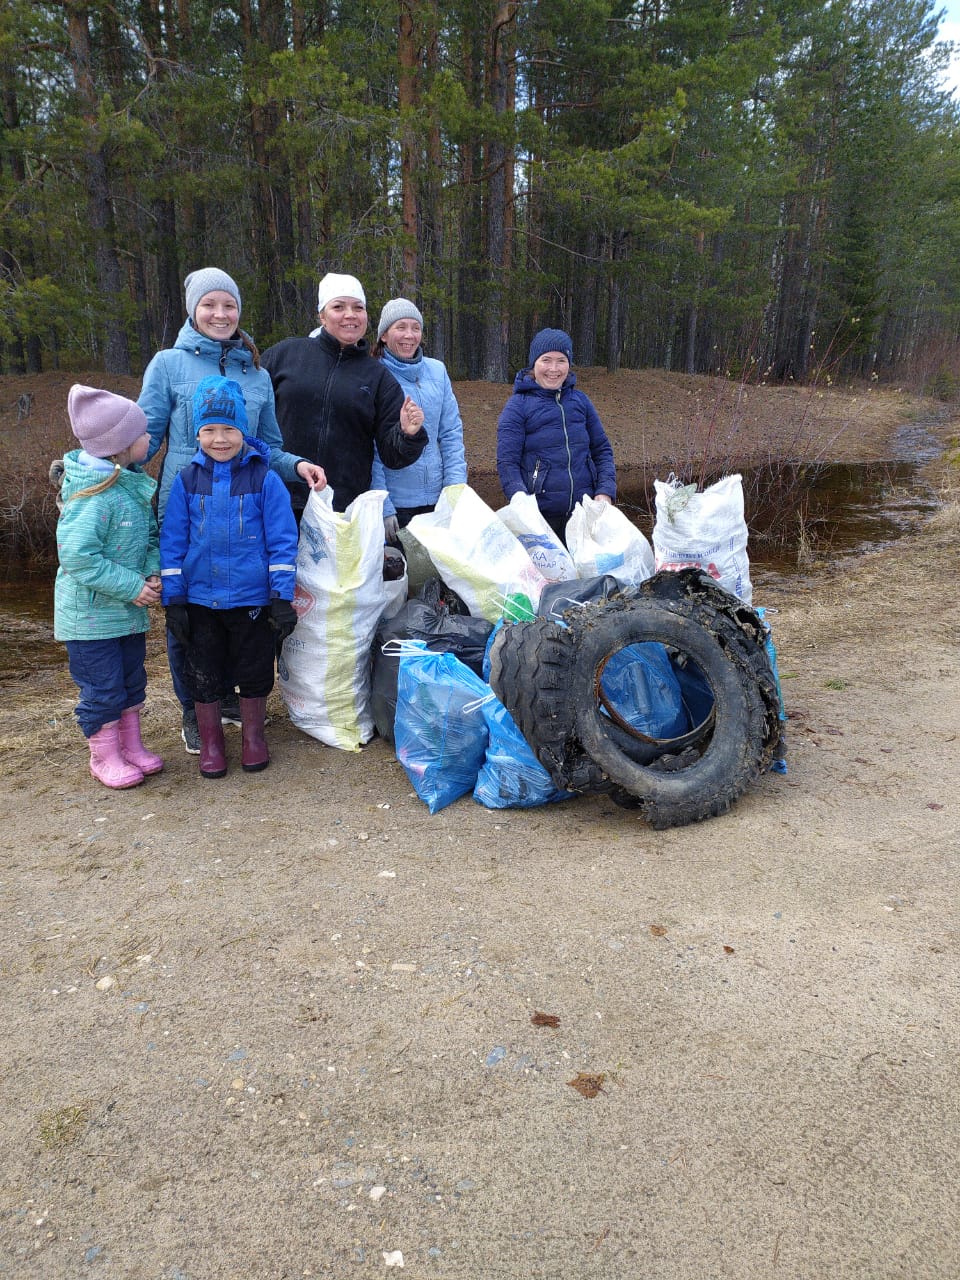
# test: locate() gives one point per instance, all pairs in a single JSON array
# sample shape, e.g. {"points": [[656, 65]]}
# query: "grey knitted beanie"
{"points": [[398, 309], [206, 280]]}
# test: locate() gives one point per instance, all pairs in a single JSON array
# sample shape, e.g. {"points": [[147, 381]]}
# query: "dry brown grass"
{"points": [[36, 712], [28, 512], [657, 422], [37, 721]]}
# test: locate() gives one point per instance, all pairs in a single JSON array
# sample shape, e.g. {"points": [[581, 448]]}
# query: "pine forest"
{"points": [[762, 189]]}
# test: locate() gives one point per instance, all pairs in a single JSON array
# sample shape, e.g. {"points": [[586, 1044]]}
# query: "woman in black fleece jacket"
{"points": [[334, 402]]}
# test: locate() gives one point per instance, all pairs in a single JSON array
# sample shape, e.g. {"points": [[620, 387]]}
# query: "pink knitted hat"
{"points": [[104, 423]]}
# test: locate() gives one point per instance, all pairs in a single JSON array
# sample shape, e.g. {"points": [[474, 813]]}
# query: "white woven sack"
{"points": [[325, 665], [602, 540], [477, 556], [396, 592], [523, 518], [707, 529]]}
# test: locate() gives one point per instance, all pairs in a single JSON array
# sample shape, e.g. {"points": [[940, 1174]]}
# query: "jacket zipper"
{"points": [[566, 440], [322, 430]]}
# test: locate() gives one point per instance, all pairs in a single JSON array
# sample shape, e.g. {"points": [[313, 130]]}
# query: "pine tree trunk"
{"points": [[466, 328], [116, 353], [584, 306], [614, 322], [274, 221], [25, 350], [501, 72], [407, 101], [168, 272], [303, 211]]}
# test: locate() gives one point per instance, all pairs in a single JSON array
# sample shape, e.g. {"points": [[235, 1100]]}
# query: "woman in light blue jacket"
{"points": [[211, 342], [416, 488]]}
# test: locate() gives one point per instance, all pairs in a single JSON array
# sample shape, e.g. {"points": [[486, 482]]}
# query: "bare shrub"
{"points": [[35, 429]]}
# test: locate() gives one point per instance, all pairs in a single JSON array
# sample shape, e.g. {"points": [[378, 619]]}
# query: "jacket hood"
{"points": [[77, 476], [197, 343], [404, 370], [253, 448], [396, 363], [525, 383]]}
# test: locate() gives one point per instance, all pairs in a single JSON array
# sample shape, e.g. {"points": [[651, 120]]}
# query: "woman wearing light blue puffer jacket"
{"points": [[210, 343], [416, 488]]}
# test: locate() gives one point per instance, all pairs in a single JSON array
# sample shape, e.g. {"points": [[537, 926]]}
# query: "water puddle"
{"points": [[834, 510], [799, 515], [26, 622]]}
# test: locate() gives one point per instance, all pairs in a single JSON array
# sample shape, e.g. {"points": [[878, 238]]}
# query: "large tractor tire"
{"points": [[731, 748], [549, 676], [531, 666]]}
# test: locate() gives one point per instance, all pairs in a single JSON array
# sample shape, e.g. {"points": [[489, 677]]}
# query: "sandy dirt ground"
{"points": [[288, 1024]]}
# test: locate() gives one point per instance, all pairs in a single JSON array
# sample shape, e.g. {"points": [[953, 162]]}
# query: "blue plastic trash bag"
{"points": [[511, 777], [696, 692], [780, 763], [440, 745], [640, 684], [438, 618]]}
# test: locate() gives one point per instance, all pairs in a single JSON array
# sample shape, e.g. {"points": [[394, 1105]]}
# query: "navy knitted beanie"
{"points": [[550, 340]]}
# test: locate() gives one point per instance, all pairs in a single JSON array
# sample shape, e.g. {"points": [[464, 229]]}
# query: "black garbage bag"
{"points": [[437, 617], [557, 597], [438, 595]]}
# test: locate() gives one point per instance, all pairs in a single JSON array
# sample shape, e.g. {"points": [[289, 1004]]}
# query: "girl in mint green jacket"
{"points": [[107, 545]]}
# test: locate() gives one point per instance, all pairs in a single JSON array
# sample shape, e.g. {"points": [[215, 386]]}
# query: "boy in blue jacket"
{"points": [[228, 555]]}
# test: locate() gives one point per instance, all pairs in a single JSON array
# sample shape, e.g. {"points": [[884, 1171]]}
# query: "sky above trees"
{"points": [[950, 31]]}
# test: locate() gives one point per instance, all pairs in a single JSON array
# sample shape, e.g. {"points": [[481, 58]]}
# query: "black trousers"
{"points": [[406, 514], [558, 524], [229, 648]]}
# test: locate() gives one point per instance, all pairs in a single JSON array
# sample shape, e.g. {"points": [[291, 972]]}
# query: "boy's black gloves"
{"points": [[283, 618], [178, 623]]}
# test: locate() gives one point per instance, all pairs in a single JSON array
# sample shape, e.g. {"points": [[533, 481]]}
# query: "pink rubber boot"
{"points": [[131, 746], [107, 764]]}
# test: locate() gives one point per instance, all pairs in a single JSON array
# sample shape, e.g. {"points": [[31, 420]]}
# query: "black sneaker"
{"points": [[230, 710], [189, 732]]}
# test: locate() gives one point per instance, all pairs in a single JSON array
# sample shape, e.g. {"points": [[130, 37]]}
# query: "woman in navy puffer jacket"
{"points": [[550, 441]]}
